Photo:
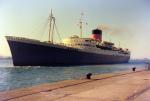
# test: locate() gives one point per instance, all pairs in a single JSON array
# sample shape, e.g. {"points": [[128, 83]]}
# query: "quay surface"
{"points": [[124, 86]]}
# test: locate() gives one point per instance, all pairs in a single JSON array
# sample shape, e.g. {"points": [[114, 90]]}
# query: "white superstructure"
{"points": [[91, 45]]}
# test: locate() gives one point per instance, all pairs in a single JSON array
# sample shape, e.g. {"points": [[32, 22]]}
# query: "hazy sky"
{"points": [[124, 21]]}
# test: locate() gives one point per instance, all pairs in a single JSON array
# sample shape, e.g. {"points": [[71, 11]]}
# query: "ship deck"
{"points": [[124, 86]]}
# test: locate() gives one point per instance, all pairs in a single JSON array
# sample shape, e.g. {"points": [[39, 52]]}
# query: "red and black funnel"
{"points": [[97, 34]]}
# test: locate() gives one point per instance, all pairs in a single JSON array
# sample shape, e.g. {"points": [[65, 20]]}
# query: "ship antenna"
{"points": [[50, 24]]}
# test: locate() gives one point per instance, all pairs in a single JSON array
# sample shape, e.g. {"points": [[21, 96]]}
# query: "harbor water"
{"points": [[25, 76]]}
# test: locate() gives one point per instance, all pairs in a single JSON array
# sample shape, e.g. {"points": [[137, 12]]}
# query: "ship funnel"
{"points": [[97, 34]]}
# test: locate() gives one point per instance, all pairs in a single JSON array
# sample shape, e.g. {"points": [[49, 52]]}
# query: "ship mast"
{"points": [[81, 25], [52, 25], [52, 28]]}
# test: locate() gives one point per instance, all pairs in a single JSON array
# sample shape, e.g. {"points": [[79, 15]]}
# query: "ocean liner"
{"points": [[74, 50]]}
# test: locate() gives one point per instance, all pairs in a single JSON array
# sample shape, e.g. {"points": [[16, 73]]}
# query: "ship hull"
{"points": [[30, 54]]}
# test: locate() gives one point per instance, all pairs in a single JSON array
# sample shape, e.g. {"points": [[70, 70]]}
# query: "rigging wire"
{"points": [[52, 28], [44, 29], [57, 31]]}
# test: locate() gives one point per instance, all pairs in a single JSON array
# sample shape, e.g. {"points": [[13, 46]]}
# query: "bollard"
{"points": [[148, 66], [88, 76], [133, 69]]}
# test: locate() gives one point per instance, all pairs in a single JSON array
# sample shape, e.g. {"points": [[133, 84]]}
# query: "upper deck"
{"points": [[90, 44]]}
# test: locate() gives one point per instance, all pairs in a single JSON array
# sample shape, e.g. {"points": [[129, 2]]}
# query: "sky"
{"points": [[123, 21]]}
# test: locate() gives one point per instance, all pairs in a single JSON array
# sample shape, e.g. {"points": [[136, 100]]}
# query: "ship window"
{"points": [[87, 40]]}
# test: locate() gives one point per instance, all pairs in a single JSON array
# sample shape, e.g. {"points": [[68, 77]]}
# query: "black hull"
{"points": [[29, 54]]}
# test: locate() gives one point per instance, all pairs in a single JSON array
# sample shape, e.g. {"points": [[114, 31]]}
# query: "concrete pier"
{"points": [[125, 86]]}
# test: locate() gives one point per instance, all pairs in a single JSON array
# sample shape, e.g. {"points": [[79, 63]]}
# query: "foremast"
{"points": [[52, 25]]}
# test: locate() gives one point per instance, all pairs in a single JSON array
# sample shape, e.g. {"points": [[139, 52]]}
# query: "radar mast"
{"points": [[81, 24]]}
